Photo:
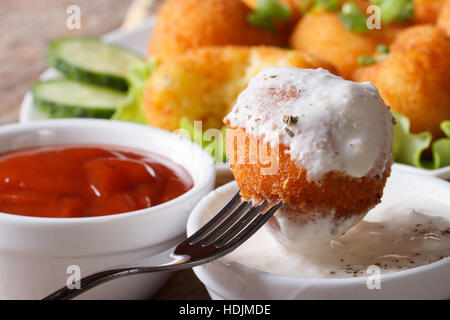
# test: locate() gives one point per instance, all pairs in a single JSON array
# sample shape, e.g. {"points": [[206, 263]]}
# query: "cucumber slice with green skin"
{"points": [[65, 98], [90, 60]]}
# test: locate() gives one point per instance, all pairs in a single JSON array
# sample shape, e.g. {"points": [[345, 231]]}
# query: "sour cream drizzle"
{"points": [[329, 124]]}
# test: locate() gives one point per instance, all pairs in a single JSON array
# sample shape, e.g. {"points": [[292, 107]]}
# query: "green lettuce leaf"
{"points": [[409, 147], [267, 12], [211, 141], [132, 109], [353, 18], [441, 148], [395, 10], [315, 6]]}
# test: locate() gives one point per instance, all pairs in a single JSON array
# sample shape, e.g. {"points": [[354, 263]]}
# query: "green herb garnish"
{"points": [[289, 132], [382, 48], [395, 10], [267, 12], [353, 18], [318, 5], [364, 60], [290, 120]]}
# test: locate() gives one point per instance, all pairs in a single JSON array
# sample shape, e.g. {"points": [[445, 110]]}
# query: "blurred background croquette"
{"points": [[324, 35], [188, 24], [414, 79], [203, 84], [444, 18], [427, 11]]}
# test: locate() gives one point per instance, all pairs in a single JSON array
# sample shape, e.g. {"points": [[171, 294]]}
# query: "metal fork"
{"points": [[226, 231]]}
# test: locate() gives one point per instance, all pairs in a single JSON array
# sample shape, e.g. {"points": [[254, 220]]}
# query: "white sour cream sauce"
{"points": [[341, 125], [402, 232], [396, 235]]}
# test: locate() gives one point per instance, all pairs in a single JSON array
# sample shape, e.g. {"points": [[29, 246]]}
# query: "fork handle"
{"points": [[164, 261]]}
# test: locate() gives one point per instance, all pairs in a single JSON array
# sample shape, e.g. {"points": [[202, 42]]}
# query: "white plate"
{"points": [[136, 39]]}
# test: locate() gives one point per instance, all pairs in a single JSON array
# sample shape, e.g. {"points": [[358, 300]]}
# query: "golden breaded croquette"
{"points": [[323, 35], [346, 195], [299, 135], [204, 83], [443, 22], [427, 11], [186, 24], [415, 77]]}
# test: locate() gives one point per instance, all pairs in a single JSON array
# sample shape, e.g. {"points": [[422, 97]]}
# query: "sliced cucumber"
{"points": [[65, 98], [90, 60]]}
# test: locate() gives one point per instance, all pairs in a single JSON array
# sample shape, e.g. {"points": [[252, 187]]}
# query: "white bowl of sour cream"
{"points": [[400, 250]]}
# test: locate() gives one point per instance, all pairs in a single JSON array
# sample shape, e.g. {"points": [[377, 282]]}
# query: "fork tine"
{"points": [[226, 210], [226, 224], [230, 233], [250, 229]]}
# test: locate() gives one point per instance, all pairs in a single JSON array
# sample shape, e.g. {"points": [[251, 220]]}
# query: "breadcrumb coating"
{"points": [[187, 24], [203, 84], [414, 79], [336, 193]]}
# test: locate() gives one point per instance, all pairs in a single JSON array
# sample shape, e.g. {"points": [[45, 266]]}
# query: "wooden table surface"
{"points": [[27, 27]]}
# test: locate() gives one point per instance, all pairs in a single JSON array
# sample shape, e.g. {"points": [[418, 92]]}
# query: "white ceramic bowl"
{"points": [[36, 252], [226, 279], [443, 173]]}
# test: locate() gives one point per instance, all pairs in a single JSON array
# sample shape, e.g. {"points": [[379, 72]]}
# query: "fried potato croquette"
{"points": [[188, 24], [415, 77], [427, 11], [203, 84], [336, 191], [323, 35], [443, 22], [318, 142]]}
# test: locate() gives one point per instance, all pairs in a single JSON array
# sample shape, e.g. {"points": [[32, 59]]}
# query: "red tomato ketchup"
{"points": [[86, 181]]}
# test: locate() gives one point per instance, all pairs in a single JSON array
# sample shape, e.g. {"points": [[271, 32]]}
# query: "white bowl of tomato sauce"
{"points": [[81, 195]]}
